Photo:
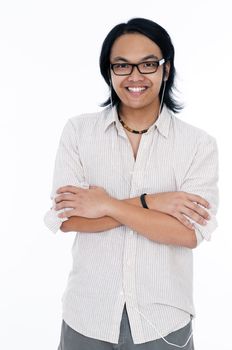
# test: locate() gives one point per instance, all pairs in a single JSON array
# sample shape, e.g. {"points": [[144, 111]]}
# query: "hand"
{"points": [[179, 205], [88, 203]]}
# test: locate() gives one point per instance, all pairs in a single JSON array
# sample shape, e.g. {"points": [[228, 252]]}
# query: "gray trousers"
{"points": [[72, 340]]}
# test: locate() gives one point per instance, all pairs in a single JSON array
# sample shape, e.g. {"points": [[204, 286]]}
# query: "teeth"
{"points": [[136, 89]]}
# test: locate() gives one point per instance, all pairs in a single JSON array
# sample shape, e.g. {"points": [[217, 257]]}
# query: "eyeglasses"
{"points": [[147, 67]]}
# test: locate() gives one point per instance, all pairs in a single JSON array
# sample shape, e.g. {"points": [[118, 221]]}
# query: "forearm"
{"points": [[154, 225], [78, 223]]}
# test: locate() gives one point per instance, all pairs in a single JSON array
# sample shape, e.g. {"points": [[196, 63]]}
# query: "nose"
{"points": [[135, 75]]}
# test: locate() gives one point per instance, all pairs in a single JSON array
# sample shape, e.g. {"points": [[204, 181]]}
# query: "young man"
{"points": [[139, 187]]}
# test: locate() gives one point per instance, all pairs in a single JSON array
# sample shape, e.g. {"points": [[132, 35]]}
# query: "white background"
{"points": [[48, 73]]}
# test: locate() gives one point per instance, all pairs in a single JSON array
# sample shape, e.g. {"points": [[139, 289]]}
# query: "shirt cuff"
{"points": [[207, 230], [52, 221], [204, 232]]}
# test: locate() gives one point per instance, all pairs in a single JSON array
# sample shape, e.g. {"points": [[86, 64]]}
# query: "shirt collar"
{"points": [[162, 123], [111, 116]]}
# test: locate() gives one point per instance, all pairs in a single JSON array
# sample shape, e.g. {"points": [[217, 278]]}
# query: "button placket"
{"points": [[129, 266]]}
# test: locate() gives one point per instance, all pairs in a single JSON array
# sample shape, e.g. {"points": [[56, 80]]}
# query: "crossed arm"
{"points": [[166, 222]]}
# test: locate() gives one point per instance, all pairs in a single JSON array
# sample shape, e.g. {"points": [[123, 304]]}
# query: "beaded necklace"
{"points": [[131, 130]]}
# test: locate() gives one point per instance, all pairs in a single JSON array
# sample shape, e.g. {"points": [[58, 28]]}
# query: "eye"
{"points": [[121, 65], [150, 64]]}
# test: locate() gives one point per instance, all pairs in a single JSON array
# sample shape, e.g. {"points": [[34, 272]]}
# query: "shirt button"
{"points": [[128, 262], [131, 233], [121, 293]]}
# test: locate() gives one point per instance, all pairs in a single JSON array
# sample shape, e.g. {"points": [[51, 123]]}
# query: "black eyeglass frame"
{"points": [[159, 63]]}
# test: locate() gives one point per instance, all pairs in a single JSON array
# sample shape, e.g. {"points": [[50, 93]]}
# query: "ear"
{"points": [[166, 70]]}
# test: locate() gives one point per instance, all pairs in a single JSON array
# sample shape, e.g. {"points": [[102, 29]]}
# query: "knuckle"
{"points": [[204, 202], [204, 214], [197, 217], [200, 220], [182, 220], [198, 197], [185, 221], [177, 206], [173, 212], [195, 206]]}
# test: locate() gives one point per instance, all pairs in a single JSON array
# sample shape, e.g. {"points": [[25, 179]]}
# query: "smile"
{"points": [[136, 89]]}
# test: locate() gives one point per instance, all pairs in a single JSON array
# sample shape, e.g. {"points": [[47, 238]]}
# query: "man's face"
{"points": [[136, 48]]}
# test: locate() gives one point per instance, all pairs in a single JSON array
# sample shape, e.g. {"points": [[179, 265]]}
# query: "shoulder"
{"points": [[88, 121], [86, 126], [189, 133]]}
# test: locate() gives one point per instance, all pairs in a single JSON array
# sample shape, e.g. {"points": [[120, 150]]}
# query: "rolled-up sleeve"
{"points": [[68, 170], [202, 179]]}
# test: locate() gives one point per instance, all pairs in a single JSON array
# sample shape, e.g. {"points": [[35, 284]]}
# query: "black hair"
{"points": [[160, 37]]}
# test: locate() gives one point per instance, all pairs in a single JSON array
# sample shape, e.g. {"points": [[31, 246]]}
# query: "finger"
{"points": [[65, 197], [66, 214], [69, 188], [185, 221], [194, 216], [198, 199], [198, 209], [64, 204]]}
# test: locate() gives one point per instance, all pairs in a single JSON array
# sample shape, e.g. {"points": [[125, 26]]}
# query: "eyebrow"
{"points": [[119, 58]]}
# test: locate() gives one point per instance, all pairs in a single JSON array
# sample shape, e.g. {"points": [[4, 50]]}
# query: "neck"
{"points": [[139, 118]]}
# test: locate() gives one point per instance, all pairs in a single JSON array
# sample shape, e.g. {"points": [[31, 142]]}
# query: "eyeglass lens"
{"points": [[144, 67]]}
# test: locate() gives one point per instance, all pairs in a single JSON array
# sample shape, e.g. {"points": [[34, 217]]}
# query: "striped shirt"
{"points": [[120, 266]]}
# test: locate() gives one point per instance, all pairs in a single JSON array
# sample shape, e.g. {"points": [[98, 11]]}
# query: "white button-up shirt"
{"points": [[120, 266]]}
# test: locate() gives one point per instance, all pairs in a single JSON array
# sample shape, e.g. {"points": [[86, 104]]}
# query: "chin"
{"points": [[135, 104], [138, 103]]}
